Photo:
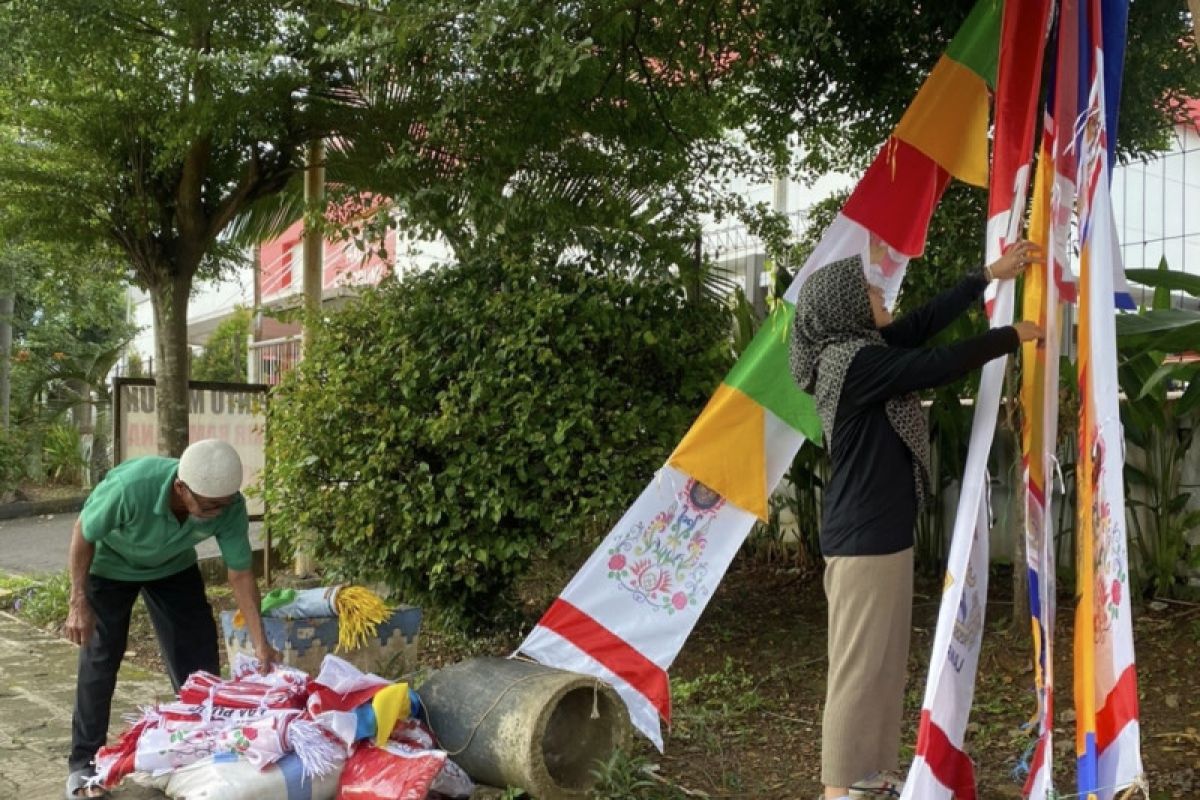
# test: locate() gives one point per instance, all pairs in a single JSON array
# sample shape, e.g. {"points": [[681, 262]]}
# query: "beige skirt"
{"points": [[870, 622]]}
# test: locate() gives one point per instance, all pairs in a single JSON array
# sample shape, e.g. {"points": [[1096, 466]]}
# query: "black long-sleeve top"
{"points": [[870, 504]]}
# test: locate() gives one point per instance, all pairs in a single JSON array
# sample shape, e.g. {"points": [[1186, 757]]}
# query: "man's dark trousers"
{"points": [[187, 638]]}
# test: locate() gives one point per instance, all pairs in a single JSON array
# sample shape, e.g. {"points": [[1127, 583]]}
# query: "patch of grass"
{"points": [[15, 583], [712, 713], [40, 600], [13, 589], [727, 694], [630, 777], [44, 600]]}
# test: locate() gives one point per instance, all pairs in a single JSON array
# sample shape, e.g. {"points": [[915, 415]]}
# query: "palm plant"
{"points": [[1159, 425]]}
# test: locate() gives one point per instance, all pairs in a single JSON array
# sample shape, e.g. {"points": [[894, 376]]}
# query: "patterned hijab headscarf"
{"points": [[833, 322]]}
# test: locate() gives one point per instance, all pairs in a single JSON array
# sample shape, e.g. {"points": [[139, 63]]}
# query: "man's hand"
{"points": [[1014, 261], [267, 656], [81, 617], [1029, 331], [81, 621], [245, 591]]}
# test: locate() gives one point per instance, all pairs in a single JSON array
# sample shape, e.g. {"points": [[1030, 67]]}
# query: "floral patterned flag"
{"points": [[626, 613], [1107, 740]]}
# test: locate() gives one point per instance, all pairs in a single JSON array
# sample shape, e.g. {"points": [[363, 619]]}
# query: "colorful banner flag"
{"points": [[1107, 740], [1039, 417], [941, 767], [1053, 203], [629, 609], [627, 612], [1066, 104]]}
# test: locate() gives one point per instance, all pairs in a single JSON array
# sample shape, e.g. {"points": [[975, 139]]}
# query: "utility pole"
{"points": [[314, 269], [314, 237]]}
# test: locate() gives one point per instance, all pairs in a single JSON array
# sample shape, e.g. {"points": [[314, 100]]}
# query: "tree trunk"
{"points": [[1016, 522], [6, 311], [170, 303], [81, 418], [100, 459]]}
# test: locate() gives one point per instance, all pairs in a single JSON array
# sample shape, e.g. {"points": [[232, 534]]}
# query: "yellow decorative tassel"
{"points": [[359, 613]]}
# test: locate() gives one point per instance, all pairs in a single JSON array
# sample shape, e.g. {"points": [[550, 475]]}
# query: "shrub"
{"points": [[446, 431], [224, 356], [45, 601], [12, 461], [62, 456]]}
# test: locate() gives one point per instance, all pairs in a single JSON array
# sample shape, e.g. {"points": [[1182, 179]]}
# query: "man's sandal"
{"points": [[77, 786]]}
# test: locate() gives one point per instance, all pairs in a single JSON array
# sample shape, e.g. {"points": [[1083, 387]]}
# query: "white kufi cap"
{"points": [[211, 468]]}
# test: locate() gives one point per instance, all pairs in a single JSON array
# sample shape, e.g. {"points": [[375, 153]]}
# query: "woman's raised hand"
{"points": [[1029, 331], [1014, 261]]}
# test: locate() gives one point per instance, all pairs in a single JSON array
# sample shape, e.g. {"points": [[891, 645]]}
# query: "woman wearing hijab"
{"points": [[864, 370]]}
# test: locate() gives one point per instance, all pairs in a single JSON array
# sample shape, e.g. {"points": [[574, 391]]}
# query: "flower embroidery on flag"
{"points": [[1109, 555], [660, 564]]}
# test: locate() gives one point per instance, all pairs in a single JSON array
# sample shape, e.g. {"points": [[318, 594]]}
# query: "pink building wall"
{"points": [[281, 269]]}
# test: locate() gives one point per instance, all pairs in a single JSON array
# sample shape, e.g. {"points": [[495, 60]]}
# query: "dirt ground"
{"points": [[765, 633], [748, 688]]}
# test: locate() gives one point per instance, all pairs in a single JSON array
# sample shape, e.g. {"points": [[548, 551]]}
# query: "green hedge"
{"points": [[446, 432], [12, 461]]}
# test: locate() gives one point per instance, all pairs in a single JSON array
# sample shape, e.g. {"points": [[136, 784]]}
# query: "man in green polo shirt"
{"points": [[137, 534]]}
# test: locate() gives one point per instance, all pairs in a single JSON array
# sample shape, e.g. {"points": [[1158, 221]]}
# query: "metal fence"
{"points": [[268, 360], [741, 256], [1156, 201]]}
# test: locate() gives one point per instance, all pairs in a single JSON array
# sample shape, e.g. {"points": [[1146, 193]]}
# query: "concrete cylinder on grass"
{"points": [[525, 725]]}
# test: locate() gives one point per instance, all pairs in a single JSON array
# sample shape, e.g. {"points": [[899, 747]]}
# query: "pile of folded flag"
{"points": [[344, 735]]}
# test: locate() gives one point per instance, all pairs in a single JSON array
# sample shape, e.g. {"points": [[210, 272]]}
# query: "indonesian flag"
{"points": [[625, 615], [941, 768]]}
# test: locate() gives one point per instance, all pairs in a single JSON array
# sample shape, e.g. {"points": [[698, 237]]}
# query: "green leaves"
{"points": [[1169, 330], [449, 431], [1159, 430], [1166, 279], [224, 356]]}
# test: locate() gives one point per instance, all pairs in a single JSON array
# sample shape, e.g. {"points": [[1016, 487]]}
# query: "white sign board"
{"points": [[233, 412]]}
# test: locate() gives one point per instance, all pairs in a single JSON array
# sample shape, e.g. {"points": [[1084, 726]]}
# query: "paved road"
{"points": [[39, 544]]}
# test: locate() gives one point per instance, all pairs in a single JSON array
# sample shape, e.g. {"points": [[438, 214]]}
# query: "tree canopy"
{"points": [[150, 126], [507, 127]]}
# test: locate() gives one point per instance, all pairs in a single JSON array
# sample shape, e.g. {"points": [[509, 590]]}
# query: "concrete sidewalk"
{"points": [[37, 692]]}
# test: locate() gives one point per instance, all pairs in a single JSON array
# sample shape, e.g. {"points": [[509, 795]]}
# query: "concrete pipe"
{"points": [[519, 724]]}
